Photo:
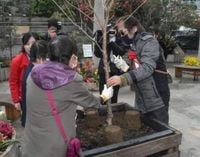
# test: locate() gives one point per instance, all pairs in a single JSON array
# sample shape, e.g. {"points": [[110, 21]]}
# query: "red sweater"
{"points": [[17, 67]]}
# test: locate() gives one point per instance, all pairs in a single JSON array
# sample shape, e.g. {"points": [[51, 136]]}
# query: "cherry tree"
{"points": [[100, 17]]}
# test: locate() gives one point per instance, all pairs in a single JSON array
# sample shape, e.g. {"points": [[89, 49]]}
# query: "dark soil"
{"points": [[94, 137]]}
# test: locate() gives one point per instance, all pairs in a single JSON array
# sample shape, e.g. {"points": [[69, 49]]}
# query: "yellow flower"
{"points": [[191, 61]]}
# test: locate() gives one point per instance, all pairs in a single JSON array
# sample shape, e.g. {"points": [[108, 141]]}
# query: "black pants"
{"points": [[102, 81], [164, 91], [159, 114]]}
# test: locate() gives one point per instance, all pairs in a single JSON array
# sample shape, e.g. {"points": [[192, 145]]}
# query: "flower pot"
{"points": [[11, 150]]}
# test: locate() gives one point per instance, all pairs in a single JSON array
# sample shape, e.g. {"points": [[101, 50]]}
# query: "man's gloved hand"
{"points": [[120, 63], [107, 93]]}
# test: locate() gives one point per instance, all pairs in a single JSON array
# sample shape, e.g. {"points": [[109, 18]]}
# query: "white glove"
{"points": [[107, 93], [120, 63]]}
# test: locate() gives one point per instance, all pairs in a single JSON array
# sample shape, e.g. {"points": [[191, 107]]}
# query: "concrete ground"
{"points": [[184, 110]]}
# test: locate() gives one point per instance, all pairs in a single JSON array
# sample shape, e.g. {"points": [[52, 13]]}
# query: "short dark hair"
{"points": [[55, 23], [39, 50], [130, 22], [61, 49]]}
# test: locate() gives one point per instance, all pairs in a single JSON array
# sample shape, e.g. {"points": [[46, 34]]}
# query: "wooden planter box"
{"points": [[163, 143]]}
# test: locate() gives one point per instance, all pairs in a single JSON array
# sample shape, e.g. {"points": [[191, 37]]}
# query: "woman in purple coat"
{"points": [[42, 137]]}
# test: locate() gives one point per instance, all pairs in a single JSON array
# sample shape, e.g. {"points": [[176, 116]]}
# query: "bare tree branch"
{"points": [[66, 6], [79, 10], [75, 24], [136, 9], [107, 5]]}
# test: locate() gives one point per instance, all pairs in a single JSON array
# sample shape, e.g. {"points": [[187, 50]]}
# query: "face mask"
{"points": [[127, 37], [73, 62], [73, 66]]}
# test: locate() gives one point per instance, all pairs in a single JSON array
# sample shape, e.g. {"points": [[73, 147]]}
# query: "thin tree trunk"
{"points": [[106, 69], [100, 23]]}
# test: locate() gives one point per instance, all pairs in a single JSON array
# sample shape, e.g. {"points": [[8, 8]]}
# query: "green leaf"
{"points": [[5, 144]]}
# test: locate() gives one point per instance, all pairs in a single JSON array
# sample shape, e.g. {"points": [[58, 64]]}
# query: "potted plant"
{"points": [[7, 138]]}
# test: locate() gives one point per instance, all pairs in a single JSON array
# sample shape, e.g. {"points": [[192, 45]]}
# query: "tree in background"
{"points": [[5, 10], [42, 8], [165, 14], [163, 17], [166, 17]]}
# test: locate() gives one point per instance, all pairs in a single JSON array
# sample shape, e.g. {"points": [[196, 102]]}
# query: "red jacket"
{"points": [[17, 67]]}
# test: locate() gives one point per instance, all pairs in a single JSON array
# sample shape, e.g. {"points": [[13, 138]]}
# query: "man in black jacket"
{"points": [[54, 26], [116, 46]]}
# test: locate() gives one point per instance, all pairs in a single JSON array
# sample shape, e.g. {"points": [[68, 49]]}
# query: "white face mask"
{"points": [[73, 61]]}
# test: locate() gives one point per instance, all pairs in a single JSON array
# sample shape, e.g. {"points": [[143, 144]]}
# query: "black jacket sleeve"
{"points": [[118, 48], [98, 38]]}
